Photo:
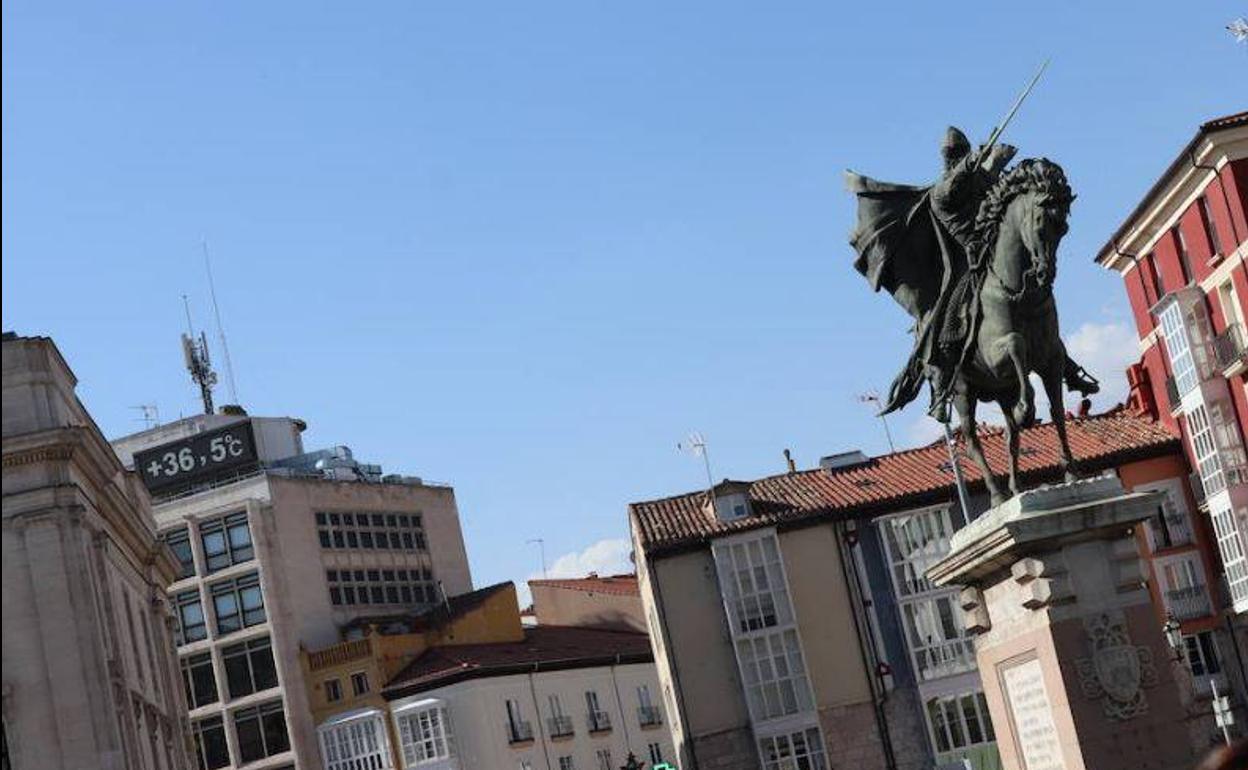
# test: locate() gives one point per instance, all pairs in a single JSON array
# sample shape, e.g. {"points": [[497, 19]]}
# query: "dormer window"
{"points": [[732, 500]]}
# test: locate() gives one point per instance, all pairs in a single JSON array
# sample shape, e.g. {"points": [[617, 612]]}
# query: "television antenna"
{"points": [[149, 414], [696, 445], [541, 544], [873, 397], [198, 363]]}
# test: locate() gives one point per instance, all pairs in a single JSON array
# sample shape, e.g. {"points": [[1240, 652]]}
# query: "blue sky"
{"points": [[526, 248]]}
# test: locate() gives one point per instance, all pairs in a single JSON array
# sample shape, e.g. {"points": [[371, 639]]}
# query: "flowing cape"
{"points": [[905, 250]]}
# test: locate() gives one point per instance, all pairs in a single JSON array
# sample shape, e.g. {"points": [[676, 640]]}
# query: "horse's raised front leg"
{"points": [[1052, 379], [1011, 440], [966, 416]]}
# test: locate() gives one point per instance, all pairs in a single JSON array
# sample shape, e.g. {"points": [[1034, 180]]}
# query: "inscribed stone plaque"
{"points": [[1032, 716]]}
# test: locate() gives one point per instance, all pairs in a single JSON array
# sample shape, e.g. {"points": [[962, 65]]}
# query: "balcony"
{"points": [[519, 731], [944, 659], [1171, 531], [649, 716], [343, 652], [1189, 603], [599, 721], [1174, 399], [1231, 350], [559, 727]]}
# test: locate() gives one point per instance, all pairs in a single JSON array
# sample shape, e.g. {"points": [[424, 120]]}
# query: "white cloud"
{"points": [[1105, 350], [606, 557]]}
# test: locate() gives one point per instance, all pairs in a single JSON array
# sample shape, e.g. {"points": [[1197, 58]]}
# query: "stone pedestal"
{"points": [[1073, 660]]}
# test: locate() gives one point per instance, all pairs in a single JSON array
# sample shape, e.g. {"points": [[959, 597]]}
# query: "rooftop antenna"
{"points": [[541, 544], [696, 444], [216, 314], [197, 360], [958, 479], [873, 397], [149, 414]]}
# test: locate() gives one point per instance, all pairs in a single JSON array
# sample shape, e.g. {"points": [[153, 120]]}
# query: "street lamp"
{"points": [[1174, 635], [632, 763]]}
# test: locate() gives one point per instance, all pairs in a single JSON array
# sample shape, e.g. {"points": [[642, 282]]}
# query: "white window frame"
{"points": [[354, 740], [786, 756], [425, 732], [956, 703], [773, 674], [1182, 361], [1231, 549], [938, 653], [927, 532], [752, 583]]}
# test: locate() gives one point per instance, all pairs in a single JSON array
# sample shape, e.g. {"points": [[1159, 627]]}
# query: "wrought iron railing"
{"points": [[599, 721], [649, 716], [1230, 347], [560, 726], [519, 731], [1189, 603], [945, 659]]}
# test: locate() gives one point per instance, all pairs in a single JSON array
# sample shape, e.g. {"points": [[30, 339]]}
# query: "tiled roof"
{"points": [[891, 482], [611, 584], [545, 648], [433, 615], [1226, 121]]}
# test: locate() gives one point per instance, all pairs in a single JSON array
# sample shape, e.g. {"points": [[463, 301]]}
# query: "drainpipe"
{"points": [[537, 715], [849, 570], [1226, 199], [619, 702]]}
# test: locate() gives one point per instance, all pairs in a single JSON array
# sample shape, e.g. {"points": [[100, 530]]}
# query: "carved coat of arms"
{"points": [[1118, 671]]}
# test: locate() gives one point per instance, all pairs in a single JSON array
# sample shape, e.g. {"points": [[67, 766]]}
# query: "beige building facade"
{"points": [[276, 551], [612, 601], [90, 676]]}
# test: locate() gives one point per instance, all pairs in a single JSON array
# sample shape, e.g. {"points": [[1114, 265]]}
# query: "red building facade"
{"points": [[1181, 254]]}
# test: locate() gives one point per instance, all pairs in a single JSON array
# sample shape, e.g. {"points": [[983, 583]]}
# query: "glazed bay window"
{"points": [[752, 582], [912, 543], [261, 731], [197, 677], [359, 743], [210, 747], [773, 674], [189, 616], [935, 637], [226, 541], [179, 541], [1231, 548], [249, 667], [802, 750], [959, 722], [238, 603], [424, 733]]}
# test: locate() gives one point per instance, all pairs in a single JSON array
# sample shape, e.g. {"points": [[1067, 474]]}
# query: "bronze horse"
{"points": [[1019, 226]]}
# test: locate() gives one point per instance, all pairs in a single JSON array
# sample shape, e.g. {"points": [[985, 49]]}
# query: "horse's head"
{"points": [[1033, 199]]}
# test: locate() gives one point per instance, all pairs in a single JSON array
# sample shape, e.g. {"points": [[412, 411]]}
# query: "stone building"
{"points": [[276, 549], [791, 616], [90, 675]]}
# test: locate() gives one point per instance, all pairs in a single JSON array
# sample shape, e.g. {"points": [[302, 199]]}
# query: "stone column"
{"points": [[1072, 657]]}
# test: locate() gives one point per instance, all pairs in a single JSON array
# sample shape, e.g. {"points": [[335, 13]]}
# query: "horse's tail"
{"points": [[905, 386]]}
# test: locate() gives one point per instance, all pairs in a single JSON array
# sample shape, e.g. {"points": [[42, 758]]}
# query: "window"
{"points": [[238, 603], [1231, 548], [752, 583], [201, 686], [1181, 360], [425, 735], [1180, 247], [226, 541], [179, 541], [566, 763], [376, 531], [934, 634], [1200, 434], [774, 675], [656, 753], [360, 744], [518, 730], [210, 747], [261, 731], [604, 759], [1211, 228], [802, 750], [959, 721], [333, 690], [189, 616], [1159, 288], [404, 586], [913, 543], [359, 683], [647, 713], [598, 720], [249, 667], [1202, 654]]}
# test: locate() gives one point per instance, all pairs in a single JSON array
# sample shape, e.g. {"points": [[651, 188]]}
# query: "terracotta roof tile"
{"points": [[546, 648], [611, 584], [908, 478]]}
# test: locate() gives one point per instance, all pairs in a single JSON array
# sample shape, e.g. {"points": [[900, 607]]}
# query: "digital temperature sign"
{"points": [[197, 458]]}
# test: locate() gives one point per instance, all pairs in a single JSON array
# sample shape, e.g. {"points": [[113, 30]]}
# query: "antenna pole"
{"points": [[541, 545], [197, 360], [874, 398], [216, 312], [957, 474]]}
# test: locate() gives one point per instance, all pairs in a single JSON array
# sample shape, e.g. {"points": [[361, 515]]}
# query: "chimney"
{"points": [[788, 458]]}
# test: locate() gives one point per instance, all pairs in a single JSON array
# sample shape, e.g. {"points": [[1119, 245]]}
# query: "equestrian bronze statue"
{"points": [[972, 259]]}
